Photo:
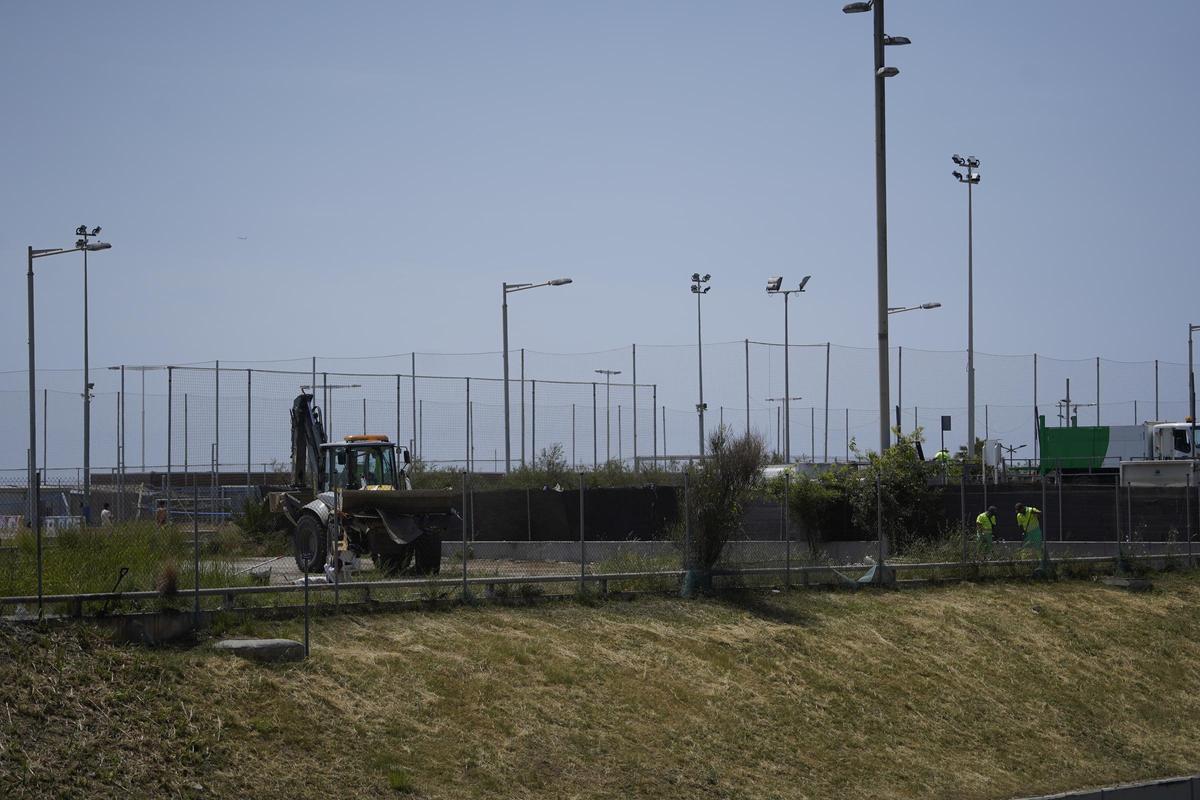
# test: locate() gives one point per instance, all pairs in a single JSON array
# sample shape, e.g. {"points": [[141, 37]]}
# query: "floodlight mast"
{"points": [[970, 178], [882, 72], [699, 289], [775, 286]]}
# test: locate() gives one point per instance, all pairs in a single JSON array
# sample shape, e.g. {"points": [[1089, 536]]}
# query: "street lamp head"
{"points": [[559, 282], [93, 246], [894, 40], [803, 283], [887, 72], [928, 306], [774, 283], [856, 8]]}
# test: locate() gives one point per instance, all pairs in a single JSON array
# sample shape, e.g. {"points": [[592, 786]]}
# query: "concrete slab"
{"points": [[264, 650]]}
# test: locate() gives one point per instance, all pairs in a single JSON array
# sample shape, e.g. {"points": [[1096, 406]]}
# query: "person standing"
{"points": [[1029, 520], [106, 516], [985, 526]]}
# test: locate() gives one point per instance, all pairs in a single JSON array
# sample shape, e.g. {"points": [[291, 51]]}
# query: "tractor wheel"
{"points": [[429, 554], [393, 564], [310, 537]]}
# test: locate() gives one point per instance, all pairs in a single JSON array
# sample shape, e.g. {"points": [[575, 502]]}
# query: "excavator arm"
{"points": [[308, 434]]}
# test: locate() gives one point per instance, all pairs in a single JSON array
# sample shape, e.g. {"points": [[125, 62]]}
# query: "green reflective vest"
{"points": [[986, 522], [1028, 520]]}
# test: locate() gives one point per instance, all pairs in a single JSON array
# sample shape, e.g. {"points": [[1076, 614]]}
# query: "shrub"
{"points": [[719, 491]]}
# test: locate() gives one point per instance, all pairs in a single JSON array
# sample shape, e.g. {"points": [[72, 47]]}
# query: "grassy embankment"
{"points": [[969, 691]]}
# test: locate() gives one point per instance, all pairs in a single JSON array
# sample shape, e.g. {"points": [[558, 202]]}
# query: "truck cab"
{"points": [[1172, 440]]}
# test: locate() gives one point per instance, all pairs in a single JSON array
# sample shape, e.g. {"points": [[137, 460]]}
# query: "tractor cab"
{"points": [[364, 462]]}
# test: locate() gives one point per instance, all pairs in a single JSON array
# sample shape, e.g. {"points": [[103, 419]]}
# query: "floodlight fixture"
{"points": [[856, 8], [804, 282], [894, 40], [887, 72], [957, 159], [774, 283]]}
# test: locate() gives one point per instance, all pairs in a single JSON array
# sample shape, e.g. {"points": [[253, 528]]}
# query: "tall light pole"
{"points": [[775, 286], [85, 235], [971, 164], [607, 373], [1192, 387], [699, 289], [900, 355], [880, 40], [785, 403], [32, 253], [509, 288]]}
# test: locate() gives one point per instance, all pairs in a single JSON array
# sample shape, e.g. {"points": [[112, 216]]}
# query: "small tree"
{"points": [[911, 507], [718, 493]]}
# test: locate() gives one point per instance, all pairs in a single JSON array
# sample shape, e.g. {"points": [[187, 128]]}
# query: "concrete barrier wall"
{"points": [[1168, 789]]}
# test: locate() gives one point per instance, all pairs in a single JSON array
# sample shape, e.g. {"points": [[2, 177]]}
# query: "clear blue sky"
{"points": [[408, 157]]}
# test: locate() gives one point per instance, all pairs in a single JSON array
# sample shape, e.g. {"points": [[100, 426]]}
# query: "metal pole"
{"points": [[415, 427], [87, 405], [962, 500], [595, 438], [620, 452], [607, 416], [881, 229], [1187, 512], [574, 460], [635, 388], [185, 433], [582, 535], [825, 458], [970, 321], [899, 384], [32, 515], [812, 430], [120, 446], [45, 427], [522, 406], [143, 412], [468, 427], [747, 345], [507, 420], [787, 388], [1156, 416], [170, 382], [1191, 387], [847, 435], [700, 372], [1117, 514], [35, 494], [787, 535], [986, 429], [399, 439], [664, 429], [463, 518], [1036, 432], [217, 412], [364, 410], [249, 415], [654, 420], [196, 562], [1097, 391], [533, 425]]}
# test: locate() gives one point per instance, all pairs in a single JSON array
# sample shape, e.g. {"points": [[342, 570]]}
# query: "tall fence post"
{"points": [[522, 406], [595, 439], [654, 421], [787, 534], [35, 492], [217, 421], [249, 454], [1156, 416], [463, 518], [825, 457], [635, 388], [533, 426], [196, 554], [1187, 512], [170, 389], [1097, 391], [1117, 515], [1129, 513], [416, 429], [399, 439], [574, 459], [582, 536], [962, 494], [746, 342], [467, 430], [687, 583], [1036, 434]]}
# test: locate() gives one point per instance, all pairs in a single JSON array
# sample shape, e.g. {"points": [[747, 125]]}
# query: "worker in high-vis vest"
{"points": [[985, 526], [1029, 520]]}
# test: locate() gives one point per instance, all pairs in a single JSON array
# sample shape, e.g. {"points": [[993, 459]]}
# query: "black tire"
{"points": [[428, 553], [392, 564], [312, 537]]}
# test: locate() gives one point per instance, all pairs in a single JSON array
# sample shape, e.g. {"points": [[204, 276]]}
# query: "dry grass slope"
{"points": [[973, 691]]}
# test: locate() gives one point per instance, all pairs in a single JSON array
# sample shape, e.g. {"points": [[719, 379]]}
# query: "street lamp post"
{"points": [[698, 289], [971, 164], [509, 288], [1192, 387], [34, 512], [900, 356], [774, 286], [880, 40], [607, 373], [85, 235]]}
